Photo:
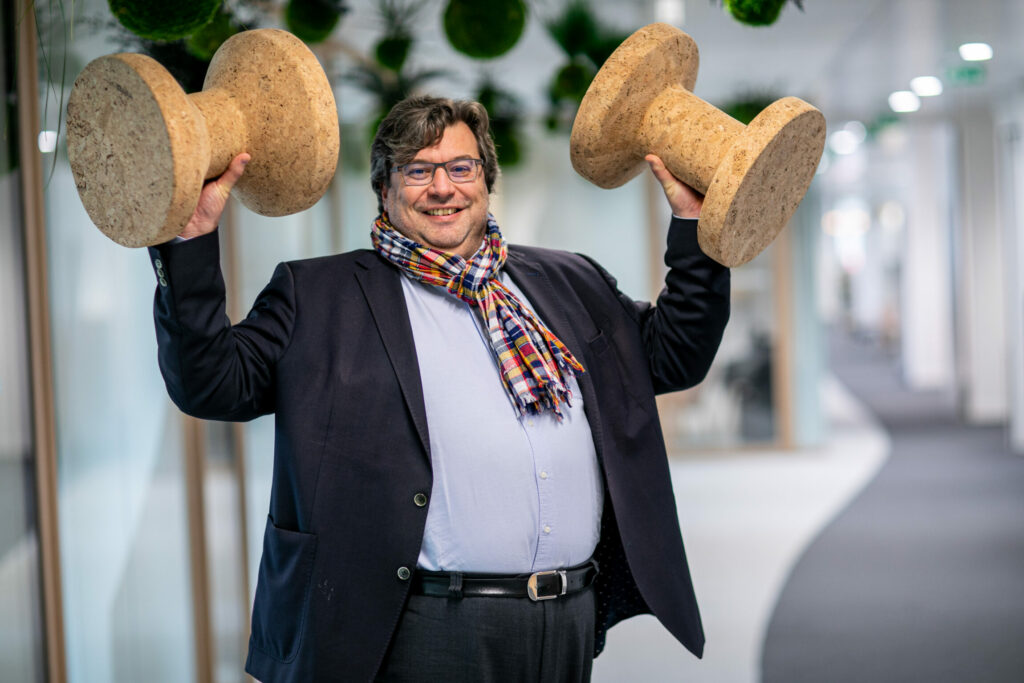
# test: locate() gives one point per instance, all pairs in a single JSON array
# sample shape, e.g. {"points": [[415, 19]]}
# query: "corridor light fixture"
{"points": [[903, 101], [975, 52], [926, 86], [47, 141]]}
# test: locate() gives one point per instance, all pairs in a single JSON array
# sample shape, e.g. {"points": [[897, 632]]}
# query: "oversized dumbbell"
{"points": [[140, 148], [753, 176]]}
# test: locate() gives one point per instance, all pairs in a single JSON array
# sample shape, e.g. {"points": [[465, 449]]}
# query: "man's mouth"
{"points": [[441, 212]]}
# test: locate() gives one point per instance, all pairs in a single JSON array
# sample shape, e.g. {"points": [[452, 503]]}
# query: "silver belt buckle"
{"points": [[543, 592]]}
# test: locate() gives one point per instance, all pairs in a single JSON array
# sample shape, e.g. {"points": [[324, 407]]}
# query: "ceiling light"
{"points": [[903, 101], [975, 52], [926, 86]]}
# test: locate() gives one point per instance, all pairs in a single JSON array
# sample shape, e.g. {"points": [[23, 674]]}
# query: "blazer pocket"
{"points": [[598, 344], [282, 591]]}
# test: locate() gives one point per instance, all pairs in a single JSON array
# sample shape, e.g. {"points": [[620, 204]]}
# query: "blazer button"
{"points": [[420, 499], [404, 573]]}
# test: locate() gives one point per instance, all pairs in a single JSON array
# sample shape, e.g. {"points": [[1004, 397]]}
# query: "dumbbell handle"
{"points": [[694, 157]]}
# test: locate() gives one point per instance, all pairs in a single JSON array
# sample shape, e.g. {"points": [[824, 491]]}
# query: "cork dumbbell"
{"points": [[140, 148], [753, 177]]}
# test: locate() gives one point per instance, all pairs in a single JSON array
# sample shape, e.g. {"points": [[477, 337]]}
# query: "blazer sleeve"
{"points": [[214, 370], [682, 330]]}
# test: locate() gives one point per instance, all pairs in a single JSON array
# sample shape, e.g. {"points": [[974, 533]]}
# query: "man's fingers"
{"points": [[663, 175], [235, 169]]}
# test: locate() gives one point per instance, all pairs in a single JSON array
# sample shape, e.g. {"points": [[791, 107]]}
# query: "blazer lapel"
{"points": [[535, 284], [383, 292]]}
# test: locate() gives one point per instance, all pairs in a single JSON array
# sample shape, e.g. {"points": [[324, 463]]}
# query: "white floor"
{"points": [[746, 519]]}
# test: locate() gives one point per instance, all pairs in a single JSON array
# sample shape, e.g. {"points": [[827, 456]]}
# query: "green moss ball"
{"points": [[755, 12], [163, 20], [484, 30]]}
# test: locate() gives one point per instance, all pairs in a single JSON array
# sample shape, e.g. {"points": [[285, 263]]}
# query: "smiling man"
{"points": [[470, 482]]}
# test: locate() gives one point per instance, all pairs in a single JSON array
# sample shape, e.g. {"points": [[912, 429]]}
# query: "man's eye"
{"points": [[416, 172], [461, 169]]}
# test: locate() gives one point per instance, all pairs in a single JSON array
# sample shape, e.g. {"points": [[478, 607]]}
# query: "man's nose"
{"points": [[441, 184]]}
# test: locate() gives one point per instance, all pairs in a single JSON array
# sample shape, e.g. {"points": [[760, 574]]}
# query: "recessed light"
{"points": [[926, 86], [903, 101], [975, 52]]}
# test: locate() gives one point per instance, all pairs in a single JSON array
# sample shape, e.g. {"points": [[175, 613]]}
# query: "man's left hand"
{"points": [[684, 200]]}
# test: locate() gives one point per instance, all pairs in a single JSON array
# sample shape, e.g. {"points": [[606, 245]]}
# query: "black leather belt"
{"points": [[536, 586]]}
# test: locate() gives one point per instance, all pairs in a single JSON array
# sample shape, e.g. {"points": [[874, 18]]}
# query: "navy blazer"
{"points": [[328, 349]]}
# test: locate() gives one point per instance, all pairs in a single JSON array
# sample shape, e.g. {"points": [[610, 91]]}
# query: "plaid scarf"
{"points": [[534, 363]]}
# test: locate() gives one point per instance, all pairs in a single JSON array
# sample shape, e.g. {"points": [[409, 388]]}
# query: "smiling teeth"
{"points": [[441, 212]]}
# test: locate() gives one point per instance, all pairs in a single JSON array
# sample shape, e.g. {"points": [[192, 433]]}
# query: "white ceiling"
{"points": [[844, 56]]}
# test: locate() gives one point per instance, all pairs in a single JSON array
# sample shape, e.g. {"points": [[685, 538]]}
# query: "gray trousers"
{"points": [[493, 640]]}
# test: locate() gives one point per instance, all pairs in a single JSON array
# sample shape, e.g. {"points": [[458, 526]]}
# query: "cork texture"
{"points": [[761, 181], [136, 147], [140, 148], [754, 177], [604, 144]]}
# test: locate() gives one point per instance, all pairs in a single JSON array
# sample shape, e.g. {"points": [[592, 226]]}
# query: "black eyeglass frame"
{"points": [[478, 165]]}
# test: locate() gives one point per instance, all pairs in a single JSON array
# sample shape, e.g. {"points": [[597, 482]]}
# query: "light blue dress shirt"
{"points": [[510, 494]]}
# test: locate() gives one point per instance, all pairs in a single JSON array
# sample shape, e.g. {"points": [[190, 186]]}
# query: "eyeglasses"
{"points": [[458, 170]]}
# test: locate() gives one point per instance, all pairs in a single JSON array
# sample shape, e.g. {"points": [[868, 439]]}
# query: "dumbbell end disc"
{"points": [[761, 181], [605, 145], [137, 149]]}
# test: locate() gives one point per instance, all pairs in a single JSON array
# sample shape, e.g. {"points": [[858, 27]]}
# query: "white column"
{"points": [[926, 285], [981, 312]]}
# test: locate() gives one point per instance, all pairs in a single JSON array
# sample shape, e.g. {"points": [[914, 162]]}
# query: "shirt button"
{"points": [[420, 499], [543, 475], [547, 530], [404, 573]]}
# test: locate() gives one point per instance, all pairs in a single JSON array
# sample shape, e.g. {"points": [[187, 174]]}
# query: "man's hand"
{"points": [[213, 199], [684, 200]]}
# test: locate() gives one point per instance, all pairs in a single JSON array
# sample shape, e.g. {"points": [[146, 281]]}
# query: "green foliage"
{"points": [[587, 44], [392, 51], [576, 30], [312, 21], [484, 30], [205, 42], [163, 20], [756, 12], [505, 113]]}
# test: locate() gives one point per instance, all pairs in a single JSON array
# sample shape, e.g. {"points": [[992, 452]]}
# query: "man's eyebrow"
{"points": [[458, 158]]}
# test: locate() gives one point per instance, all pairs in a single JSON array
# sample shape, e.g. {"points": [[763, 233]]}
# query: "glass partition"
{"points": [[122, 514]]}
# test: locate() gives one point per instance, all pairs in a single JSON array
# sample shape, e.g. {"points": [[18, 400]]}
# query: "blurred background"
{"points": [[848, 476]]}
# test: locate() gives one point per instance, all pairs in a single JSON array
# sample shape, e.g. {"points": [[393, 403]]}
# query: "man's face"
{"points": [[443, 215]]}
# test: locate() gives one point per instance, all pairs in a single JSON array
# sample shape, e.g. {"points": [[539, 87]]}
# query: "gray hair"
{"points": [[419, 122]]}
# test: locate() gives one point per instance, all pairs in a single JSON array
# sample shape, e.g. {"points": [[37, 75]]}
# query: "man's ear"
{"points": [[383, 194]]}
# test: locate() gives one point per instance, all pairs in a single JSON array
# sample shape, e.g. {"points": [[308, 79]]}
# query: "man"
{"points": [[464, 429]]}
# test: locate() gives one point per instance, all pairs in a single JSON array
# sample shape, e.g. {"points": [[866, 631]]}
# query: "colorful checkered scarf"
{"points": [[534, 363]]}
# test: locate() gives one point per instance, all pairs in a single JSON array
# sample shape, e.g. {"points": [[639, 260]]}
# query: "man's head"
{"points": [[444, 213]]}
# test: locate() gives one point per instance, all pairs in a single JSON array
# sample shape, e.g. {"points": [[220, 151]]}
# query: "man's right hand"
{"points": [[213, 199]]}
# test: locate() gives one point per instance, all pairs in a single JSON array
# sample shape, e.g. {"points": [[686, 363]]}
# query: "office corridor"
{"points": [[893, 553], [922, 577]]}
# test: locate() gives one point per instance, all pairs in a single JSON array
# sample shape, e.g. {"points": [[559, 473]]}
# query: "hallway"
{"points": [[893, 553]]}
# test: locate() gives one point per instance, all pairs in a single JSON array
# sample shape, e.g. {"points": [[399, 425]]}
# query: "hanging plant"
{"points": [[484, 30], [587, 44], [162, 20], [757, 12], [386, 74], [312, 21], [205, 42], [393, 48], [505, 112]]}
